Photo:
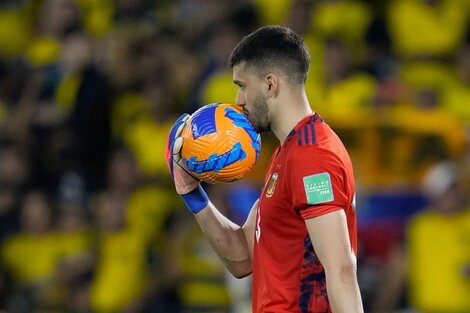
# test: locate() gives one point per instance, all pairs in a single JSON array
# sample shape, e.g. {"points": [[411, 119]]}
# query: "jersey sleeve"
{"points": [[317, 182]]}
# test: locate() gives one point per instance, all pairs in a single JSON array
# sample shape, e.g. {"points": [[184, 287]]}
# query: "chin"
{"points": [[260, 129]]}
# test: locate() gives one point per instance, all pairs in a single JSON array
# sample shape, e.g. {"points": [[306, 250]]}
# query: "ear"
{"points": [[272, 85]]}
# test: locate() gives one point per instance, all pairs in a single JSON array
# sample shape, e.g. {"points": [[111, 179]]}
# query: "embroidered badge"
{"points": [[271, 185], [318, 188]]}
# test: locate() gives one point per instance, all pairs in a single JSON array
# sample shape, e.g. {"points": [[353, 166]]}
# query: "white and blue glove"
{"points": [[187, 186]]}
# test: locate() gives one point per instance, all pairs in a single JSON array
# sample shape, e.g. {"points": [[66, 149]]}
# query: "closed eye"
{"points": [[239, 84]]}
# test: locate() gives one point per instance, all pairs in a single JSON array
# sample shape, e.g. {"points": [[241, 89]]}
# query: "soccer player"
{"points": [[299, 240]]}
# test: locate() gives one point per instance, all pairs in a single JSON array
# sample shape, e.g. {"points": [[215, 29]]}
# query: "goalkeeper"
{"points": [[299, 240]]}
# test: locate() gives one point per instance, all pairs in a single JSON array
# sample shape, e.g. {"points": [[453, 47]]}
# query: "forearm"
{"points": [[227, 239], [343, 291]]}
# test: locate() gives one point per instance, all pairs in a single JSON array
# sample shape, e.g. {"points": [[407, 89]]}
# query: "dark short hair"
{"points": [[275, 47]]}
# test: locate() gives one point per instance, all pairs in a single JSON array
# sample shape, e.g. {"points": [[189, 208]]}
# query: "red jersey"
{"points": [[309, 175]]}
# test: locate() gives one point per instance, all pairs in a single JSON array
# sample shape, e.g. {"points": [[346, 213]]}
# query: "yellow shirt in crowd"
{"points": [[439, 248]]}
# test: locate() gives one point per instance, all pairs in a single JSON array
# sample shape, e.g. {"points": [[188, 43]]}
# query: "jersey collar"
{"points": [[313, 117]]}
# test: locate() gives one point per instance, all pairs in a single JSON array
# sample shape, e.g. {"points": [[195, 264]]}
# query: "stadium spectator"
{"points": [[33, 281], [441, 286]]}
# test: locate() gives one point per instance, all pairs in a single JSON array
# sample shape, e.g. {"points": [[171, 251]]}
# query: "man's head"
{"points": [[274, 48], [264, 63]]}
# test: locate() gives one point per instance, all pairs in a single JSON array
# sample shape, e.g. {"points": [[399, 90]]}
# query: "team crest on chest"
{"points": [[271, 185]]}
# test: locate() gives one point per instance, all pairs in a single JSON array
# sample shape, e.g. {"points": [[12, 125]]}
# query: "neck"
{"points": [[287, 112]]}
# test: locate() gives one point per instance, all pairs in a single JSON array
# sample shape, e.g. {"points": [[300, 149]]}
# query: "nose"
{"points": [[240, 100]]}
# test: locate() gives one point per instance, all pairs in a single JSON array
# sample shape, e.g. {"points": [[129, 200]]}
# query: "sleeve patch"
{"points": [[318, 188]]}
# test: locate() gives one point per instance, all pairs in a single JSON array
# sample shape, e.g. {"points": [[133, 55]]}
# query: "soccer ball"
{"points": [[219, 143]]}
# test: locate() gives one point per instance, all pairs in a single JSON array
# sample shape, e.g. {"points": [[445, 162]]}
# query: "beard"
{"points": [[259, 116]]}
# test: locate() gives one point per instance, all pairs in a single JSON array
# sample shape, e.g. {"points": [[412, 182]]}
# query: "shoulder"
{"points": [[310, 131], [314, 154]]}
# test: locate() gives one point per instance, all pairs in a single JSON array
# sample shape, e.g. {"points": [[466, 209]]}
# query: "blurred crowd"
{"points": [[89, 220]]}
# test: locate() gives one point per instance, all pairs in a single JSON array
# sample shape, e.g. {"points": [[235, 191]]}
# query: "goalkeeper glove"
{"points": [[187, 186]]}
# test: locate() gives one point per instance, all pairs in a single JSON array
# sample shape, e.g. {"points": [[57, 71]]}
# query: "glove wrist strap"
{"points": [[196, 200]]}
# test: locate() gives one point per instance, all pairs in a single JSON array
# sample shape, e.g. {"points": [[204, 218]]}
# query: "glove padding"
{"points": [[184, 181], [187, 186]]}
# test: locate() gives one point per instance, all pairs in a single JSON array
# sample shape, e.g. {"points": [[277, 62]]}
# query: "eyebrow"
{"points": [[237, 82]]}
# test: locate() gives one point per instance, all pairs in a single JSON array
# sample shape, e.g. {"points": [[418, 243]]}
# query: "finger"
{"points": [[180, 127], [177, 127], [183, 118], [177, 149]]}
